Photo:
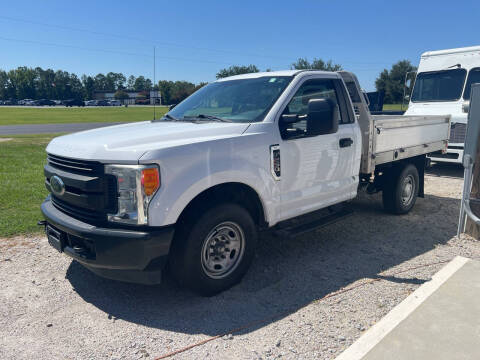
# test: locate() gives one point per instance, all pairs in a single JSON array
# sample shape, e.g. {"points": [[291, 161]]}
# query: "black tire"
{"points": [[191, 244], [396, 197]]}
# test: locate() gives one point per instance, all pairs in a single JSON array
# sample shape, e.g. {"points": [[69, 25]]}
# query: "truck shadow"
{"points": [[286, 274], [445, 170]]}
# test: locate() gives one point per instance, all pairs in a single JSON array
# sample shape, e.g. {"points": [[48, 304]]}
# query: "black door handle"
{"points": [[345, 142]]}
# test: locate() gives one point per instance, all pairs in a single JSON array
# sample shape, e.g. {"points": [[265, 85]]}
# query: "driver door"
{"points": [[316, 170]]}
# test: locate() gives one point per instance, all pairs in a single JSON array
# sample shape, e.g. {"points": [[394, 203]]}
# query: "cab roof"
{"points": [[451, 51], [272, 73]]}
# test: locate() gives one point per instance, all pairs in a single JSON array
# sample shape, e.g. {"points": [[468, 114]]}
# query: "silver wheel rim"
{"points": [[222, 250], [408, 190]]}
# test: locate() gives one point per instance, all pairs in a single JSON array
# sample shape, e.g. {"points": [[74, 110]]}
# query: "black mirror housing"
{"points": [[322, 117]]}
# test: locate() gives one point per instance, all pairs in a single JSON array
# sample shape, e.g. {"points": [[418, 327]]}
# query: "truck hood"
{"points": [[128, 142], [439, 108]]}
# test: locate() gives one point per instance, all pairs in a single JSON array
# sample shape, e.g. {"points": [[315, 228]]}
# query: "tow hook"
{"points": [[41, 223]]}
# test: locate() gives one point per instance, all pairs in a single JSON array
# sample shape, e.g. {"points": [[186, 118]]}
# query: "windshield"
{"points": [[473, 77], [244, 100], [446, 85]]}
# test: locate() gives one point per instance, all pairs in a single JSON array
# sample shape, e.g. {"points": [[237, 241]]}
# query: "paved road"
{"points": [[49, 128]]}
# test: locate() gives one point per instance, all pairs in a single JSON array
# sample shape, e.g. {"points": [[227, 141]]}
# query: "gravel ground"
{"points": [[53, 308]]}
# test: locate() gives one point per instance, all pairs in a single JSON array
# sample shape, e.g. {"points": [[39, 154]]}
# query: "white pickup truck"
{"points": [[190, 192]]}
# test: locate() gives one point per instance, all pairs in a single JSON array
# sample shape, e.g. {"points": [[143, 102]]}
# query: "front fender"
{"points": [[189, 170]]}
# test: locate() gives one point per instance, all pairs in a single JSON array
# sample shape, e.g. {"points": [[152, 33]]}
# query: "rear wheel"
{"points": [[213, 252], [401, 190]]}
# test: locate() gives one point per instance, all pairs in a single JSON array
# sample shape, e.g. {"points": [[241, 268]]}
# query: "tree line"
{"points": [[38, 83]]}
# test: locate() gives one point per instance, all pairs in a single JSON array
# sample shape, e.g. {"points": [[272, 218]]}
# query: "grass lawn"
{"points": [[21, 116], [396, 107], [22, 187]]}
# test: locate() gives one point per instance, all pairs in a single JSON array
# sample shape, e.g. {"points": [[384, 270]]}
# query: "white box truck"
{"points": [[277, 151], [442, 86]]}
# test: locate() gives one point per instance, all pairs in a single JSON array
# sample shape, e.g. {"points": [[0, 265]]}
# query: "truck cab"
{"points": [[442, 86]]}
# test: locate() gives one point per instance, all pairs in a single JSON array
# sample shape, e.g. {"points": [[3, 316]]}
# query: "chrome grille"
{"points": [[89, 193], [75, 166], [457, 133]]}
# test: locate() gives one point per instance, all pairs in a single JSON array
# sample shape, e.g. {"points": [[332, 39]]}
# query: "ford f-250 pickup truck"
{"points": [[190, 192]]}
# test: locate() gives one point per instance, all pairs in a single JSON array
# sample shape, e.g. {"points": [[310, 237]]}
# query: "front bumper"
{"points": [[453, 155], [114, 253]]}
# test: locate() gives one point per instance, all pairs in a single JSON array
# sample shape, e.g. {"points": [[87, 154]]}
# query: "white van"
{"points": [[442, 86]]}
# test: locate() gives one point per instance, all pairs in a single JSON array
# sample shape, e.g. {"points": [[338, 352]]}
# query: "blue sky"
{"points": [[194, 39]]}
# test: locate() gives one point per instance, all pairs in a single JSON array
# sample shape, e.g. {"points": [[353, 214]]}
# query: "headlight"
{"points": [[136, 186]]}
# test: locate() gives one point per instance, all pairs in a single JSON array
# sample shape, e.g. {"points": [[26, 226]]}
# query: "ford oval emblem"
{"points": [[57, 185]]}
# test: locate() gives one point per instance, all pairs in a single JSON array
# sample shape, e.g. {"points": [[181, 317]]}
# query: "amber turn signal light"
{"points": [[150, 180]]}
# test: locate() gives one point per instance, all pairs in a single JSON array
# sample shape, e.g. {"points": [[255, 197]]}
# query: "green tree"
{"points": [[316, 64], [23, 79], [237, 70], [142, 84], [3, 85], [101, 82], [120, 95], [44, 83], [165, 88], [131, 82], [88, 87], [115, 81], [181, 90], [391, 82]]}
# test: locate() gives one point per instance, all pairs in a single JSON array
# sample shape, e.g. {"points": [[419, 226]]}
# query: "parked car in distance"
{"points": [[91, 103], [26, 102], [115, 103], [44, 102], [57, 102], [10, 102], [74, 102], [142, 101], [103, 103]]}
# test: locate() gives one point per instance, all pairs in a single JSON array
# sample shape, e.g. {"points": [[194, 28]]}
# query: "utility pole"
{"points": [[470, 204], [154, 93], [472, 228]]}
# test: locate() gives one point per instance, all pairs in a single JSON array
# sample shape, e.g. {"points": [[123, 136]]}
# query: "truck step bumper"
{"points": [[313, 222]]}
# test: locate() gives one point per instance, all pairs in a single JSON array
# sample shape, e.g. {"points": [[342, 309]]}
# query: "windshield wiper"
{"points": [[167, 117], [207, 117]]}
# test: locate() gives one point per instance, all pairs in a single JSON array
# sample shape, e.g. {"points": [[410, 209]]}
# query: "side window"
{"points": [[298, 105], [473, 77]]}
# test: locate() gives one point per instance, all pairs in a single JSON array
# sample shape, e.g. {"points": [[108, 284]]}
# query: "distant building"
{"points": [[155, 97], [133, 96]]}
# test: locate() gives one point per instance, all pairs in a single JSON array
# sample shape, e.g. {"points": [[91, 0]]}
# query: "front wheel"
{"points": [[214, 251], [401, 190]]}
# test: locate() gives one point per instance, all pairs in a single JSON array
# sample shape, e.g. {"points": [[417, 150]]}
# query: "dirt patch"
{"points": [[18, 241], [5, 139]]}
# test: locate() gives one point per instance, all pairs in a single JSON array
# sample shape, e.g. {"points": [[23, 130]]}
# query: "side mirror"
{"points": [[287, 119], [322, 117]]}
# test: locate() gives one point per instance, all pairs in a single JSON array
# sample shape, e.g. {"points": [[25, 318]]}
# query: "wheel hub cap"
{"points": [[222, 250], [408, 190]]}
